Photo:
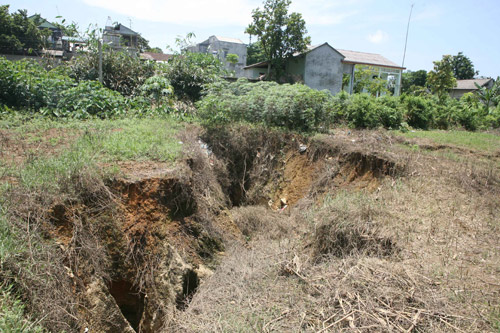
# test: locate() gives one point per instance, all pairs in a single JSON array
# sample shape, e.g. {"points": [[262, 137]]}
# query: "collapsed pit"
{"points": [[174, 224]]}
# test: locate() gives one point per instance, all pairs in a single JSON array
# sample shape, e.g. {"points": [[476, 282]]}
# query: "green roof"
{"points": [[44, 24]]}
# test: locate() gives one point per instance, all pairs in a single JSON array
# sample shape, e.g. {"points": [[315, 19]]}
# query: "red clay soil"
{"points": [[149, 221]]}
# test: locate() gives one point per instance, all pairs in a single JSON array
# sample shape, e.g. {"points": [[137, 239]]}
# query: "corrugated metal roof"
{"points": [[229, 40], [469, 84], [364, 58], [155, 56]]}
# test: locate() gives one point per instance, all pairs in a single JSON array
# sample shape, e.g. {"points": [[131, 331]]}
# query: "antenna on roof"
{"points": [[129, 23], [406, 40]]}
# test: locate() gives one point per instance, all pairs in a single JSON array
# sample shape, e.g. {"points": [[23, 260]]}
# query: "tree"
{"points": [[489, 96], [441, 78], [463, 68], [121, 71], [18, 34], [189, 72], [411, 80], [154, 50], [279, 33], [232, 58], [255, 53], [366, 79]]}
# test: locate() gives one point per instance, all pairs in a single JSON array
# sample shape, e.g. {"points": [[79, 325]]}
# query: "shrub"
{"points": [[89, 98], [294, 107], [188, 73], [336, 107], [418, 111], [157, 89], [363, 112], [26, 83], [492, 119], [120, 71], [391, 111]]}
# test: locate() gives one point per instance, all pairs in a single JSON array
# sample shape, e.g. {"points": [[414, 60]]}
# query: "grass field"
{"points": [[488, 142]]}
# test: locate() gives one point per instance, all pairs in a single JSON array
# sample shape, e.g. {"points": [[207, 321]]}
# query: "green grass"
{"points": [[12, 318], [474, 140], [97, 142]]}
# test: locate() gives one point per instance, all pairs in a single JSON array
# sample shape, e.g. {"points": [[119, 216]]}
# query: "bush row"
{"points": [[294, 107], [28, 85], [297, 107]]}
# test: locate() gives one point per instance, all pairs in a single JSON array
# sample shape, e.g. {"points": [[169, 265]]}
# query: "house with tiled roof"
{"points": [[324, 67], [158, 57], [467, 86]]}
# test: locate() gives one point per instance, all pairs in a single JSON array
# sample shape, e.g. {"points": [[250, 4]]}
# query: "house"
{"points": [[466, 86], [58, 46], [55, 38], [158, 57], [221, 47], [324, 67], [119, 37]]}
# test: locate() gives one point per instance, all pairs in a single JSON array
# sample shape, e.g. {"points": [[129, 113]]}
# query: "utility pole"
{"points": [[406, 40], [99, 43], [406, 43]]}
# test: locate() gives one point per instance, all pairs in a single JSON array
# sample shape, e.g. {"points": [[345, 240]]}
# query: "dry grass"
{"points": [[419, 253], [351, 224], [383, 239]]}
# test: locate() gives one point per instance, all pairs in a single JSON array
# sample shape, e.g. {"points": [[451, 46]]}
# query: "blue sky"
{"points": [[437, 27]]}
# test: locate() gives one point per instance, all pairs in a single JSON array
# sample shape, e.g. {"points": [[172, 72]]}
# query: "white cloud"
{"points": [[192, 12], [378, 37], [224, 12]]}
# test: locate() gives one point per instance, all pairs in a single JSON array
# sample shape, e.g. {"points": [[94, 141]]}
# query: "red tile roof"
{"points": [[156, 56]]}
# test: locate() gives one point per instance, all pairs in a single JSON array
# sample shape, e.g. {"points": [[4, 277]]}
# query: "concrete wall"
{"points": [[221, 49], [254, 73], [458, 93], [225, 48], [323, 69]]}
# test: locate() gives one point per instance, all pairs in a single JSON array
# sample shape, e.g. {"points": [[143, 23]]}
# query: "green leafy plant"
{"points": [[158, 90], [418, 111], [189, 72], [27, 84], [89, 98], [294, 107], [121, 71], [441, 78]]}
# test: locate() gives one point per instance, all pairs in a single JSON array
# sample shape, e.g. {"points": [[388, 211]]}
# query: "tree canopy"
{"points": [[411, 79], [441, 78], [463, 68], [19, 34], [279, 33], [255, 53]]}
